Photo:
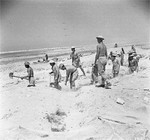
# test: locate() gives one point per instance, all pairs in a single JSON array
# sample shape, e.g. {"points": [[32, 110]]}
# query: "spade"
{"points": [[11, 75]]}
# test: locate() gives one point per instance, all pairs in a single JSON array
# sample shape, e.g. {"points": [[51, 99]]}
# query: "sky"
{"points": [[37, 24]]}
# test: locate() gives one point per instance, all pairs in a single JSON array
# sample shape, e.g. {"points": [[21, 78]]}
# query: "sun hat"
{"points": [[100, 37], [73, 47], [114, 54], [133, 54], [26, 63], [51, 61], [61, 65]]}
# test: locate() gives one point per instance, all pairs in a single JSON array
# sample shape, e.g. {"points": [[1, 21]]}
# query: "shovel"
{"points": [[11, 75]]}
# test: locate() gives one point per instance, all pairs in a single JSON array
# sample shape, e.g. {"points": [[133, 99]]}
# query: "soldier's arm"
{"points": [[67, 76], [97, 54], [29, 74], [106, 52], [118, 62], [78, 56], [70, 56], [56, 74]]}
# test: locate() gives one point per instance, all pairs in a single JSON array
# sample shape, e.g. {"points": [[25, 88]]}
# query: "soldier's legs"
{"points": [[56, 85], [82, 70], [121, 61], [101, 69], [73, 77], [31, 82], [130, 70], [101, 80], [94, 78], [104, 67], [115, 74]]}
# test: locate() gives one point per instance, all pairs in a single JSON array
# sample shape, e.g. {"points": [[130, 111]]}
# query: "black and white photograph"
{"points": [[74, 69]]}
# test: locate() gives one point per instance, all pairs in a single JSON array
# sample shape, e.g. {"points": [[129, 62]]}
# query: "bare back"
{"points": [[101, 50]]}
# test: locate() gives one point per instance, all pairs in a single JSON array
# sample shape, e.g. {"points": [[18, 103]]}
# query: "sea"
{"points": [[38, 54]]}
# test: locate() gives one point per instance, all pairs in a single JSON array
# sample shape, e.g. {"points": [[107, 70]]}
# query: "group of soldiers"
{"points": [[71, 70], [98, 76]]}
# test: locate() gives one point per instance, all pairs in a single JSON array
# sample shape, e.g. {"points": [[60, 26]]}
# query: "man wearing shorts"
{"points": [[76, 60], [101, 60], [71, 72]]}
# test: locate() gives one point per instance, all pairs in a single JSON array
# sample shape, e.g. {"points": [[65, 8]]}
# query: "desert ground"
{"points": [[87, 113]]}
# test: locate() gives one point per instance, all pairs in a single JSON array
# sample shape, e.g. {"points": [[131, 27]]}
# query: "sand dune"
{"points": [[91, 113]]}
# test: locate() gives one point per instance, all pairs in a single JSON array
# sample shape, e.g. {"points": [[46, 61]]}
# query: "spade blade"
{"points": [[11, 74]]}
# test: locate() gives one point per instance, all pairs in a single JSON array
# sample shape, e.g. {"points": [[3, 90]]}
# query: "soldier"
{"points": [[101, 61], [133, 63], [46, 57], [130, 56], [133, 49], [116, 45], [76, 60], [57, 75], [94, 74], [30, 75], [72, 72], [110, 55], [116, 65], [122, 56]]}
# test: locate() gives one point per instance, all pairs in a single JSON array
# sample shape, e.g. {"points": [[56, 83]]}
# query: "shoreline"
{"points": [[33, 55], [37, 57]]}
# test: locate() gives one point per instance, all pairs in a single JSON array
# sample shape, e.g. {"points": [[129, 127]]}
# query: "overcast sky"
{"points": [[34, 24]]}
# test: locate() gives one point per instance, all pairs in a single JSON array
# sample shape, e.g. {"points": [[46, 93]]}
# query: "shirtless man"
{"points": [[116, 65], [101, 60], [72, 72], [57, 75], [76, 59]]}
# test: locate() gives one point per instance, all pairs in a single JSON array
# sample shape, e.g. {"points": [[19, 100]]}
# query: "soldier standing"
{"points": [[116, 65], [57, 75], [133, 63], [101, 60], [122, 56], [76, 60]]}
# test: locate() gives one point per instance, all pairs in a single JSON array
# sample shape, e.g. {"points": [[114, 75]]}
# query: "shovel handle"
{"points": [[17, 76]]}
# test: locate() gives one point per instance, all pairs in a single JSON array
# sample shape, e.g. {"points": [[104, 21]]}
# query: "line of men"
{"points": [[98, 76]]}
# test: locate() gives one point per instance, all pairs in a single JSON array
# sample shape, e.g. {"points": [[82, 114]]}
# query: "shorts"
{"points": [[101, 62], [74, 76], [77, 64]]}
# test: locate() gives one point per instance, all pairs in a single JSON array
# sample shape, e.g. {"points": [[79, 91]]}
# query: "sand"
{"points": [[87, 113]]}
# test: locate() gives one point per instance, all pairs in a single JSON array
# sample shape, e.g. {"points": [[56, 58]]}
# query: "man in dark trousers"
{"points": [[101, 60], [30, 75]]}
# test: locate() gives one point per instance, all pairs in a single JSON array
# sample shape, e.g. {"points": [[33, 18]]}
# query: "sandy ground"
{"points": [[88, 113]]}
